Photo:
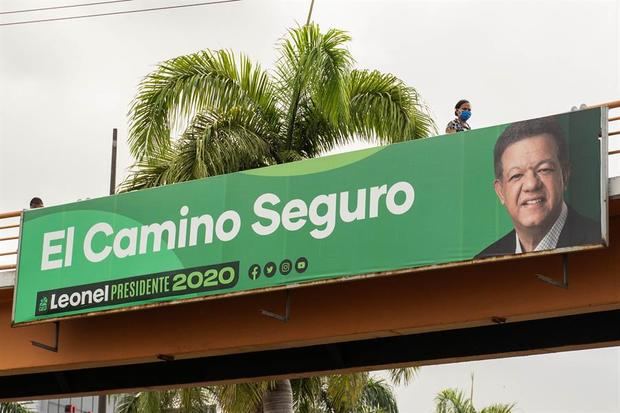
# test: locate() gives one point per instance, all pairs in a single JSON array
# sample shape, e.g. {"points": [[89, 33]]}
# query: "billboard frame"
{"points": [[605, 174], [357, 277]]}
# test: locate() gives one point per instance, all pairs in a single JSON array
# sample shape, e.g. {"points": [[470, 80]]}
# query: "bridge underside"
{"points": [[479, 311], [527, 337]]}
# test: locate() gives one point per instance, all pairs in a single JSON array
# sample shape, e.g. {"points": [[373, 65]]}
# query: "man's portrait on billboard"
{"points": [[532, 172]]}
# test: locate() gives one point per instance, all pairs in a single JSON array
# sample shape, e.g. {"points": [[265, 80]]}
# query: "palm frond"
{"points": [[216, 144], [150, 172], [185, 400], [330, 91], [403, 375], [213, 144], [498, 408], [453, 401], [181, 87], [14, 407], [313, 134], [244, 397], [378, 396], [141, 402], [313, 66], [423, 123], [150, 402], [346, 390], [307, 394], [127, 403], [190, 400], [385, 110]]}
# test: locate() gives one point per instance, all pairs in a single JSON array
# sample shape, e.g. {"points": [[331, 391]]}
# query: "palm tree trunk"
{"points": [[280, 399], [310, 12]]}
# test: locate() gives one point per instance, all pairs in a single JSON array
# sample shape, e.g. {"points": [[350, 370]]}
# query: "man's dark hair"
{"points": [[527, 129], [459, 104], [36, 202]]}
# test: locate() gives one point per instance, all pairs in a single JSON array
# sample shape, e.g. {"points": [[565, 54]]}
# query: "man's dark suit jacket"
{"points": [[578, 230]]}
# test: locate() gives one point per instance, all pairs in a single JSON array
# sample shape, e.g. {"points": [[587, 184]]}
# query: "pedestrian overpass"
{"points": [[476, 310]]}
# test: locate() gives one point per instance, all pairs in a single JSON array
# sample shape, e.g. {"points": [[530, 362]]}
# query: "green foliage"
{"points": [[243, 397], [403, 375], [377, 396], [348, 393], [216, 112], [453, 401], [185, 400], [340, 393], [498, 408], [12, 407]]}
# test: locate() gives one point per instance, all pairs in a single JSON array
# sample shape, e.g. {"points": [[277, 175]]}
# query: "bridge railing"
{"points": [[614, 121], [9, 237], [10, 221]]}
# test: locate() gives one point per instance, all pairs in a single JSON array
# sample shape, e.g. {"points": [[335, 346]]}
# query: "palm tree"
{"points": [[215, 112], [346, 393], [453, 401]]}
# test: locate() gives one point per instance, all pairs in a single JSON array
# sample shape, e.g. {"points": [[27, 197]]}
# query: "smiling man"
{"points": [[531, 174]]}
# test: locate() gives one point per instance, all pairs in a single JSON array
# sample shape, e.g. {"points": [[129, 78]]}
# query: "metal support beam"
{"points": [[287, 311], [564, 283], [53, 348]]}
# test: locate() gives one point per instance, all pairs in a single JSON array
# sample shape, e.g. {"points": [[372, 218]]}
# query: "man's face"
{"points": [[532, 183]]}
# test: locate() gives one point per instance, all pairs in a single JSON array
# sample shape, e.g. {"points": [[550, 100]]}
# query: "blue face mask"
{"points": [[466, 114]]}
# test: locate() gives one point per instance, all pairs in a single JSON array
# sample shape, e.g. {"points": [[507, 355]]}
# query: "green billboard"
{"points": [[494, 192]]}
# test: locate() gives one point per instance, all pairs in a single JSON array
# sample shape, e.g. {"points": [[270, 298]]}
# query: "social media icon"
{"points": [[285, 267], [254, 271], [301, 265], [270, 269]]}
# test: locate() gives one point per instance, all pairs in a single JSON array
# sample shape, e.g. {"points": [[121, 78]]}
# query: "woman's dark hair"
{"points": [[459, 104], [527, 129]]}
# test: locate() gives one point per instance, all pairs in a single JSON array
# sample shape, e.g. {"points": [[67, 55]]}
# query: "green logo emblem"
{"points": [[43, 304]]}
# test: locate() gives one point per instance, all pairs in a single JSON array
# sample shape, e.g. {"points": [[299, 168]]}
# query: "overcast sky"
{"points": [[65, 85]]}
